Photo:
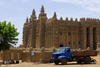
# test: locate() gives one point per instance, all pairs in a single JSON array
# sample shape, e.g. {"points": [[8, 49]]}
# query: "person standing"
{"points": [[82, 59], [7, 62]]}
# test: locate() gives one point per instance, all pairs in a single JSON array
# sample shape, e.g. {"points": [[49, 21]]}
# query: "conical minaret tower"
{"points": [[42, 9], [33, 12], [32, 30], [33, 16], [55, 16], [42, 20], [27, 20], [42, 12], [25, 33]]}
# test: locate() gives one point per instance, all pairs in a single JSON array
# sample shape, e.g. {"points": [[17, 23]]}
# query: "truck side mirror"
{"points": [[68, 50]]}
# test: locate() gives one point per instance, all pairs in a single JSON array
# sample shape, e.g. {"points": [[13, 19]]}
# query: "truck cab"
{"points": [[63, 53]]}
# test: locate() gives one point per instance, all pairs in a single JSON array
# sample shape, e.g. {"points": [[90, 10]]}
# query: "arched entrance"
{"points": [[61, 44]]}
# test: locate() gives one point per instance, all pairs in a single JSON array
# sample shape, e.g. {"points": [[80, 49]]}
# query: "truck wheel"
{"points": [[78, 62], [56, 62], [87, 60], [94, 61], [64, 61]]}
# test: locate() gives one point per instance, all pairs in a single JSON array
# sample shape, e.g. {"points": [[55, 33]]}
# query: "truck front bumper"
{"points": [[54, 60]]}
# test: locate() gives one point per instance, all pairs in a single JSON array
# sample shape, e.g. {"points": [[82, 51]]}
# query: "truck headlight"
{"points": [[52, 57], [59, 57]]}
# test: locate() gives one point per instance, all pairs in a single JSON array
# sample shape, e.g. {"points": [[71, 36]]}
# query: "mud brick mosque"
{"points": [[53, 32]]}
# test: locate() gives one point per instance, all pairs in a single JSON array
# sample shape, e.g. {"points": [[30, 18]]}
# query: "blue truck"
{"points": [[64, 55]]}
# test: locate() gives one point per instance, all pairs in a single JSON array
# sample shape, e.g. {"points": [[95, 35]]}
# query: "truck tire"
{"points": [[87, 60], [64, 61], [56, 62], [78, 62], [93, 61]]}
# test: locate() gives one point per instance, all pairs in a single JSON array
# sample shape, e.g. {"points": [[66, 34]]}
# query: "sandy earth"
{"points": [[70, 64]]}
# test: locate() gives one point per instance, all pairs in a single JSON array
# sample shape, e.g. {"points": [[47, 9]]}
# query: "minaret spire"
{"points": [[33, 13], [27, 20], [33, 16], [30, 20], [42, 9], [61, 18], [42, 14], [55, 16]]}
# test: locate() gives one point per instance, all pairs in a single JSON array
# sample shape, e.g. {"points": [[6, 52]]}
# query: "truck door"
{"points": [[67, 53]]}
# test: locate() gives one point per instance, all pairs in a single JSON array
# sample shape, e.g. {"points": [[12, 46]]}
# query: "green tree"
{"points": [[51, 48], [7, 35]]}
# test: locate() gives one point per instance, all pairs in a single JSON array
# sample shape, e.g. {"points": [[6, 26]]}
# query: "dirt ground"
{"points": [[70, 64]]}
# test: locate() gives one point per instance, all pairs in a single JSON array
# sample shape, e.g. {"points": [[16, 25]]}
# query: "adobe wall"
{"points": [[48, 56], [37, 56], [42, 55], [1, 55], [7, 54], [25, 57]]}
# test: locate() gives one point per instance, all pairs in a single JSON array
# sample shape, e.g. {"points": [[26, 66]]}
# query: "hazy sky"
{"points": [[16, 11]]}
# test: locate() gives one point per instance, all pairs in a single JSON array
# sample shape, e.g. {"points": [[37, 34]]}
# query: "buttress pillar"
{"points": [[72, 47], [76, 40], [84, 38], [91, 37], [97, 38]]}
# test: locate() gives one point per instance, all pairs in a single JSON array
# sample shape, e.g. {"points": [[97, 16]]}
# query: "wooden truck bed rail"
{"points": [[86, 53]]}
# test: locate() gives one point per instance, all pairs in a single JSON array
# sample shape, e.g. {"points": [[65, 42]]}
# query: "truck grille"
{"points": [[58, 55]]}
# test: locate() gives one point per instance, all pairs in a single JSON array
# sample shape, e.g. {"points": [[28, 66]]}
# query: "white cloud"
{"points": [[91, 5]]}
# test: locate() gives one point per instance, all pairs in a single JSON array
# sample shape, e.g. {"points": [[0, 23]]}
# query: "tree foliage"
{"points": [[7, 35], [51, 48]]}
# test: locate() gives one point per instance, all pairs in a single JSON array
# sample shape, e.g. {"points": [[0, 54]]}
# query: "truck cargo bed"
{"points": [[85, 53]]}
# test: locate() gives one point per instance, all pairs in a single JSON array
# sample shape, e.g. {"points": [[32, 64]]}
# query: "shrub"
{"points": [[51, 48]]}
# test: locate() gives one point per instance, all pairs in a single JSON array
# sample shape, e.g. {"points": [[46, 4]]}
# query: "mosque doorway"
{"points": [[61, 44]]}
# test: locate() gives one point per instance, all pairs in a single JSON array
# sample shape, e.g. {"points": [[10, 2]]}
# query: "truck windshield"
{"points": [[61, 50]]}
